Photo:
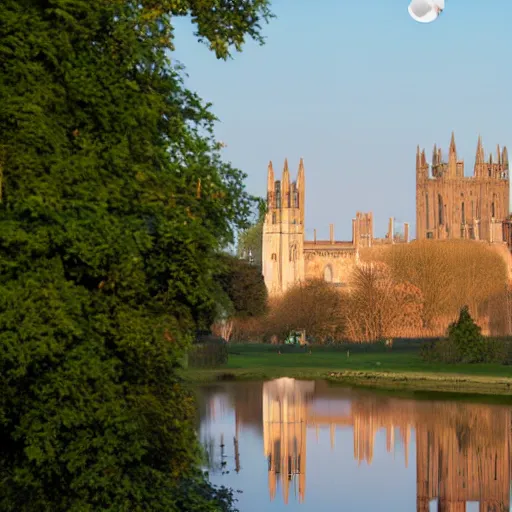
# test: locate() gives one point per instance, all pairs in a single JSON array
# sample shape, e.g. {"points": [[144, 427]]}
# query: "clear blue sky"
{"points": [[353, 87]]}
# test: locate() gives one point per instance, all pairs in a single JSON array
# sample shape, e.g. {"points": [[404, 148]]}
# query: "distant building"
{"points": [[450, 205], [287, 258]]}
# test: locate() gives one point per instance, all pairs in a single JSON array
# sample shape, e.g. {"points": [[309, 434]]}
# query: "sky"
{"points": [[353, 87]]}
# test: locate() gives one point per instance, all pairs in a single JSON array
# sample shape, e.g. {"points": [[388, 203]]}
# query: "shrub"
{"points": [[439, 351], [467, 339], [465, 344], [208, 352], [314, 306]]}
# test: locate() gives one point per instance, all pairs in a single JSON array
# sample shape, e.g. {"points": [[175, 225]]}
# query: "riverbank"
{"points": [[384, 370]]}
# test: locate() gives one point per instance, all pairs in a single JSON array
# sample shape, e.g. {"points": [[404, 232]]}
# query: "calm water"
{"points": [[297, 445]]}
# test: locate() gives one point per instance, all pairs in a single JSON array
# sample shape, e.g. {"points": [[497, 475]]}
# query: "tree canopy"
{"points": [[114, 202], [244, 286]]}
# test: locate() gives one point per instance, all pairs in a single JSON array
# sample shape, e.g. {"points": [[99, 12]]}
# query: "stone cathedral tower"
{"points": [[283, 230], [450, 205]]}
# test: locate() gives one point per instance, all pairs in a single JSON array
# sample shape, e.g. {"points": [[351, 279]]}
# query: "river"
{"points": [[292, 445]]}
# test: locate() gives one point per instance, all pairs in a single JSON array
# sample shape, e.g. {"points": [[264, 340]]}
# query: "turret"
{"points": [[270, 186], [479, 170], [285, 186], [452, 158], [421, 165]]}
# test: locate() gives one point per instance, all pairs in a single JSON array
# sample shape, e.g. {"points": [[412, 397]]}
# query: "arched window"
{"points": [[274, 218], [278, 194], [427, 211], [463, 213], [328, 274], [274, 256], [440, 208]]}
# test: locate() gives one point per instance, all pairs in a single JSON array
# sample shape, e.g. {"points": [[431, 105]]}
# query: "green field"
{"points": [[394, 369]]}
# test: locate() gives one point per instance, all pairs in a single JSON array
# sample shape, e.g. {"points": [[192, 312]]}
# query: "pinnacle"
{"points": [[452, 143]]}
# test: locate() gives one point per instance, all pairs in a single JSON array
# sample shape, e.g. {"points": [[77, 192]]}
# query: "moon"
{"points": [[425, 11]]}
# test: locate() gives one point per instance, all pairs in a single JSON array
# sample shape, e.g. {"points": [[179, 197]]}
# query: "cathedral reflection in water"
{"points": [[462, 449]]}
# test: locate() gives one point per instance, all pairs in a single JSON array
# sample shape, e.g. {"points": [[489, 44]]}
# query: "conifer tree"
{"points": [[467, 338], [113, 204]]}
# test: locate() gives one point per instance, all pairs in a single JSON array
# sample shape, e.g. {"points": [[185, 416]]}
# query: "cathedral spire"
{"points": [[285, 186], [504, 158], [271, 185], [434, 156], [453, 147], [452, 158], [479, 159], [300, 175], [423, 159], [270, 177]]}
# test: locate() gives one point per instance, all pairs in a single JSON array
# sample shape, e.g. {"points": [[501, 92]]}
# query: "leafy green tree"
{"points": [[114, 203], [243, 284], [466, 337]]}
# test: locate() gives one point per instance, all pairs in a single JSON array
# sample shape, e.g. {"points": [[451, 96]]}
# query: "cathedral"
{"points": [[287, 258], [450, 205]]}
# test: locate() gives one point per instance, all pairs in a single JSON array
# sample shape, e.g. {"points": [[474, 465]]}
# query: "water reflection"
{"points": [[462, 450]]}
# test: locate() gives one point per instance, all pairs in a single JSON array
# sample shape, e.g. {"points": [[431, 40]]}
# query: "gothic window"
{"points": [[472, 210], [278, 194], [293, 253], [427, 211], [295, 199], [273, 217], [493, 211], [328, 274], [441, 210], [274, 256], [463, 213]]}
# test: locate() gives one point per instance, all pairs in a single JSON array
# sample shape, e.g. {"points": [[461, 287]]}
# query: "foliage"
{"points": [[314, 306], [439, 351], [244, 286], [208, 352], [378, 307], [448, 273], [465, 344], [466, 337], [114, 204], [196, 495]]}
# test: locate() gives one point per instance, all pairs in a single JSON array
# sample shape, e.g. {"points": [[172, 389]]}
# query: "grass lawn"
{"points": [[385, 369]]}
